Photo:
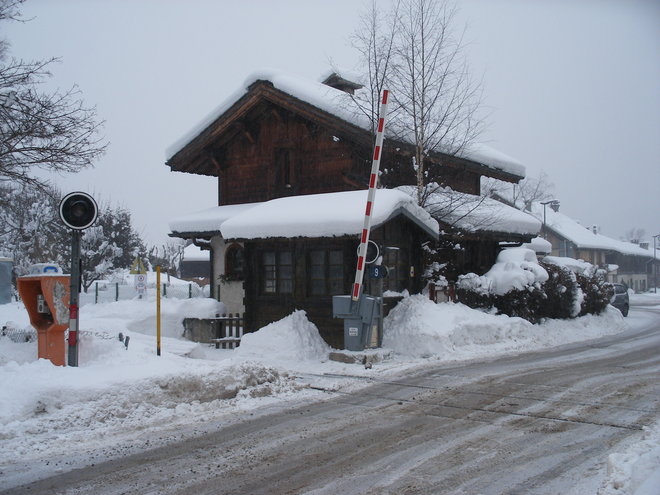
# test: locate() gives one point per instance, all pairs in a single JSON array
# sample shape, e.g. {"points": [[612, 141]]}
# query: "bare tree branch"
{"points": [[52, 131]]}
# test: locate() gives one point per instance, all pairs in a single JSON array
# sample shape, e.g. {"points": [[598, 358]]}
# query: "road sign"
{"points": [[137, 267], [377, 271], [141, 283]]}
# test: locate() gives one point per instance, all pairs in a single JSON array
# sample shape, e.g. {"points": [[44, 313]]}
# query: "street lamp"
{"points": [[554, 204], [655, 268]]}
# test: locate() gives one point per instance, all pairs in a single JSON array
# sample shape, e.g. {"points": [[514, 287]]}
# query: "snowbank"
{"points": [[120, 400], [419, 328], [293, 338], [637, 469]]}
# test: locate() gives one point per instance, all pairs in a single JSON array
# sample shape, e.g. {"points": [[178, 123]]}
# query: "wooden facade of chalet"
{"points": [[288, 274], [269, 144]]}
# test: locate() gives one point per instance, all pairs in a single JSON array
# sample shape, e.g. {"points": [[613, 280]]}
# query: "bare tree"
{"points": [[413, 51], [437, 101], [374, 42], [635, 235], [522, 195], [52, 131]]}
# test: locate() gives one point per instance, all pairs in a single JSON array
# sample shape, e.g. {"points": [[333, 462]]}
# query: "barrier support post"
{"points": [[158, 310]]}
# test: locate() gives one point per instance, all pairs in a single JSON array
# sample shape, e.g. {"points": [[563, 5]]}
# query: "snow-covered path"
{"points": [[543, 422]]}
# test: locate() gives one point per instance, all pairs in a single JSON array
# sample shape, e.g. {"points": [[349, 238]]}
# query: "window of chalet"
{"points": [[398, 274], [234, 262], [326, 272], [277, 272]]}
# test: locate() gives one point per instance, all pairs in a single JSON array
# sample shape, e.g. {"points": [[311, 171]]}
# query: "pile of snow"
{"points": [[293, 338], [515, 268], [636, 470], [419, 328], [539, 245], [123, 399], [576, 266]]}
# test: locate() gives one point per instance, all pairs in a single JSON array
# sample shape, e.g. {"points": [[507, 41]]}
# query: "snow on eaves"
{"points": [[314, 215], [472, 213], [339, 104], [583, 237], [208, 220], [490, 157]]}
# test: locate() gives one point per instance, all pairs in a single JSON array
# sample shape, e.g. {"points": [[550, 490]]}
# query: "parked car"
{"points": [[620, 299]]}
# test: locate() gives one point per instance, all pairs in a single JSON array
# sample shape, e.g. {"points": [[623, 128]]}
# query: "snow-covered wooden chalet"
{"points": [[292, 160]]}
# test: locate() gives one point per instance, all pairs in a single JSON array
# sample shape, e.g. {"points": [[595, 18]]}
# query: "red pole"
{"points": [[373, 179]]}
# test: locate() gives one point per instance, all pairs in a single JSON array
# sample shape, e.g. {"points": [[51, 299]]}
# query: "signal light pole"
{"points": [[78, 211]]}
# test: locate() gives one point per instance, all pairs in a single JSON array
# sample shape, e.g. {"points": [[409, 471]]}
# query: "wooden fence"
{"points": [[229, 330]]}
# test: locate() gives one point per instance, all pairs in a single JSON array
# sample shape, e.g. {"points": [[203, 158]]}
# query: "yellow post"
{"points": [[158, 310]]}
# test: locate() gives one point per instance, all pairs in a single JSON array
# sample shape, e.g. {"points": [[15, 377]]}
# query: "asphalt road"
{"points": [[539, 423]]}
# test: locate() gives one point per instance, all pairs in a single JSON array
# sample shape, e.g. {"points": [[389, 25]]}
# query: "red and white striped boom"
{"points": [[373, 179]]}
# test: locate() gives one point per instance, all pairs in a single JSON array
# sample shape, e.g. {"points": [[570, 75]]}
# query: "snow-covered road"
{"points": [[542, 422]]}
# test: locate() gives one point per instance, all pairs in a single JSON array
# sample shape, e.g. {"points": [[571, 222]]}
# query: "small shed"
{"points": [[299, 251], [195, 265]]}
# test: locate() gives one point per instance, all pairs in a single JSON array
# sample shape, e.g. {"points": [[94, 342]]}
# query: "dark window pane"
{"points": [[269, 258], [317, 257], [269, 271], [317, 272], [336, 287], [285, 258], [336, 258], [285, 272], [317, 287]]}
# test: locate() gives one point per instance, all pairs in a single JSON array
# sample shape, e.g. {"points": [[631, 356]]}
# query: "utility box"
{"points": [[46, 298], [5, 280], [361, 319]]}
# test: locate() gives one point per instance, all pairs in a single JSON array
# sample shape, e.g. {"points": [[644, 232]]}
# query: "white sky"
{"points": [[573, 88]]}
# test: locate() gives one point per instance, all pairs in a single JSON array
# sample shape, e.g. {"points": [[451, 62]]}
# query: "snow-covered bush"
{"points": [[519, 285], [474, 291], [597, 294], [563, 294], [593, 293]]}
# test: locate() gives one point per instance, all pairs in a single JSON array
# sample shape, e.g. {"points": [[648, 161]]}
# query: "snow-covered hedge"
{"points": [[519, 285]]}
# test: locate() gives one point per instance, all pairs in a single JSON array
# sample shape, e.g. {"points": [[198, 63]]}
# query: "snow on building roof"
{"points": [[584, 237], [472, 213], [490, 157], [208, 220], [341, 105], [314, 215], [194, 253]]}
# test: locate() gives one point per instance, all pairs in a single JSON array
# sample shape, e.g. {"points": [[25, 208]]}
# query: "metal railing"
{"points": [[103, 293]]}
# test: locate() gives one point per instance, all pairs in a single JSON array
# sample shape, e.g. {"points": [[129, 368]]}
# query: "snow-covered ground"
{"points": [[122, 399]]}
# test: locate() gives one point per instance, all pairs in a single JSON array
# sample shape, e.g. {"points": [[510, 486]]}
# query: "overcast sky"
{"points": [[573, 89]]}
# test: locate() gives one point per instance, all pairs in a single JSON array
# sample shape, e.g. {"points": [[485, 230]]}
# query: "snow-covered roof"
{"points": [[472, 213], [583, 237], [341, 105], [208, 220], [194, 253], [314, 215]]}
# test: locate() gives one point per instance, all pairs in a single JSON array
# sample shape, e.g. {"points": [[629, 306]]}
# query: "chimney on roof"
{"points": [[644, 244], [595, 229], [334, 80]]}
